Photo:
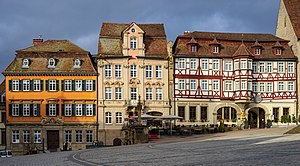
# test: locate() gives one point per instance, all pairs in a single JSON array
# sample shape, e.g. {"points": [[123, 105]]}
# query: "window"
{"points": [[269, 67], [257, 51], [216, 85], [26, 109], [278, 51], [36, 109], [108, 117], [181, 112], [193, 64], [158, 94], [158, 72], [25, 63], [290, 86], [281, 67], [51, 63], [15, 85], [286, 112], [148, 71], [119, 117], [133, 72], [52, 109], [204, 64], [26, 85], [118, 71], [68, 85], [15, 136], [244, 85], [244, 64], [68, 109], [269, 87], [78, 136], [193, 85], [52, 85], [89, 85], [204, 84], [148, 93], [216, 49], [215, 64], [181, 63], [89, 136], [118, 91], [68, 136], [261, 87], [237, 85], [291, 67], [236, 65], [280, 86], [192, 113], [254, 67], [89, 110], [228, 65], [108, 93], [249, 84], [193, 48], [133, 42], [78, 109], [261, 67], [181, 84], [36, 85], [107, 70], [133, 93], [276, 114], [77, 63], [254, 86], [228, 85], [78, 85], [204, 113], [132, 30], [250, 63], [26, 136], [15, 109], [37, 136]]}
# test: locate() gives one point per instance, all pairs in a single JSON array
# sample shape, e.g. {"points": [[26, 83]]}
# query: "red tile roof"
{"points": [[293, 8], [110, 40], [231, 44]]}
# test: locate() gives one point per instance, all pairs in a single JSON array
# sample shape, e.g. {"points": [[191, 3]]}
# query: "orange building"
{"points": [[51, 97]]}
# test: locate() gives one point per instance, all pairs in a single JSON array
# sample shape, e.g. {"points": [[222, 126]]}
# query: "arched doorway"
{"points": [[256, 117], [228, 114]]}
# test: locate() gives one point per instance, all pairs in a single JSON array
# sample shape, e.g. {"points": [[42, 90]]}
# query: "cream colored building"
{"points": [[288, 28], [132, 62]]}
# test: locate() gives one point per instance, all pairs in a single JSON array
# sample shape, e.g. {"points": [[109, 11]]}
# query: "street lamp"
{"points": [[139, 109]]}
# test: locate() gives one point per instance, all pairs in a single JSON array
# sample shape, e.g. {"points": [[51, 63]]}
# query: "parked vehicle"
{"points": [[5, 153]]}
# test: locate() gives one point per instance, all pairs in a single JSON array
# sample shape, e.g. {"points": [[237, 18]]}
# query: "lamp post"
{"points": [[139, 108]]}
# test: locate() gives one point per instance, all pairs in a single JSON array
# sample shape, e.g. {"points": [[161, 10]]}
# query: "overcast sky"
{"points": [[80, 20]]}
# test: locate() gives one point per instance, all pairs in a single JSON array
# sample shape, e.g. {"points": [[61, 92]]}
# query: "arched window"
{"points": [[77, 63], [25, 63], [226, 113], [133, 43], [118, 117], [51, 63], [108, 117]]}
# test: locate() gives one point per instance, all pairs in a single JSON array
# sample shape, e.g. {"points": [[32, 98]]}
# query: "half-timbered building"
{"points": [[233, 77]]}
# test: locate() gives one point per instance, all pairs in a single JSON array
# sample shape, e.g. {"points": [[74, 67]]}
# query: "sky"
{"points": [[80, 20]]}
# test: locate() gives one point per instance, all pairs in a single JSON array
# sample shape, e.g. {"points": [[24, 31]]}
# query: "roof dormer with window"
{"points": [[257, 48], [77, 63], [192, 45], [25, 63], [277, 48], [51, 63], [215, 46], [133, 41]]}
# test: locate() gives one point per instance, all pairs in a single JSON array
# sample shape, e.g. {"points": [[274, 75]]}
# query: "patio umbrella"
{"points": [[146, 116], [170, 117]]}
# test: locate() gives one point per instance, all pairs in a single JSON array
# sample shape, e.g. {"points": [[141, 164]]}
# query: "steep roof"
{"points": [[110, 40], [2, 87], [40, 54], [231, 44], [293, 8]]}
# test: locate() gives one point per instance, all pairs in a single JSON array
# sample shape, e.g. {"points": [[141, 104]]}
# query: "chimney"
{"points": [[37, 41]]}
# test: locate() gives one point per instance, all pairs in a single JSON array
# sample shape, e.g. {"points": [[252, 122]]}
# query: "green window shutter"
{"points": [[31, 85], [73, 110], [94, 85], [83, 85], [20, 109], [47, 85], [47, 109], [10, 109], [42, 85], [10, 85], [63, 85], [57, 109], [83, 109], [31, 109], [73, 85], [63, 110], [57, 85], [20, 85], [94, 109]]}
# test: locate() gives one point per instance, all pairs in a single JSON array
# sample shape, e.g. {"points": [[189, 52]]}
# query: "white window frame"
{"points": [[278, 51], [243, 63], [52, 85], [237, 85], [26, 85], [36, 85], [26, 109], [228, 65], [15, 109], [78, 110], [257, 51], [254, 67], [119, 118], [269, 67], [68, 136], [193, 48], [89, 85], [89, 136], [204, 85], [244, 85], [236, 64], [254, 86], [216, 49], [262, 67], [193, 64], [159, 95], [133, 93], [51, 63], [77, 63], [67, 85], [118, 93], [158, 71], [108, 117], [249, 85], [133, 43], [193, 85], [25, 63], [89, 109], [148, 69], [52, 109], [290, 86], [26, 136], [108, 93], [181, 63], [149, 95], [216, 64], [280, 86], [204, 64], [181, 85], [118, 71], [15, 136], [37, 136], [281, 67], [78, 85], [216, 85], [269, 86], [250, 64], [78, 134], [133, 71], [15, 85], [262, 87], [68, 110], [228, 85], [291, 67], [107, 71], [35, 109]]}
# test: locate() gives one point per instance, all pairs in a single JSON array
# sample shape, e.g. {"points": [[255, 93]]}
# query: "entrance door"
{"points": [[252, 119], [52, 140], [262, 119], [3, 138]]}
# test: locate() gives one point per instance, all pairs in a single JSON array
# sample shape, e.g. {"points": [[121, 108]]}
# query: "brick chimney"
{"points": [[37, 41]]}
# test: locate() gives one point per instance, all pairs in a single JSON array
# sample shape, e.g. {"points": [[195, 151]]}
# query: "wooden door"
{"points": [[52, 140]]}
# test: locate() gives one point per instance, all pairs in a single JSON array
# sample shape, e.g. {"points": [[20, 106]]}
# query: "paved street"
{"points": [[247, 147]]}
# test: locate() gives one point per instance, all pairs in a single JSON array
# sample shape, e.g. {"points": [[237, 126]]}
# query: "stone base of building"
{"points": [[107, 136]]}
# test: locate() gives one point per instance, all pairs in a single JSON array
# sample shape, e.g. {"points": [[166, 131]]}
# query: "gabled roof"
{"points": [[2, 87], [242, 50], [110, 40], [54, 46], [293, 10]]}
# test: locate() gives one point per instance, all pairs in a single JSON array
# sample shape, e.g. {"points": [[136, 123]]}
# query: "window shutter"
{"points": [[57, 109], [94, 109], [10, 109], [63, 85], [42, 85], [38, 109], [31, 85], [83, 109], [57, 85], [63, 110], [20, 85], [47, 86], [10, 85], [31, 109], [94, 85], [73, 109], [47, 109], [21, 109], [73, 85], [83, 85]]}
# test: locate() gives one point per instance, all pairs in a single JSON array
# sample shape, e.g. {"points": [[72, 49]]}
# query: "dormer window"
{"points": [[215, 49], [25, 63], [133, 43], [77, 63], [278, 51], [51, 63], [193, 48], [257, 51]]}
